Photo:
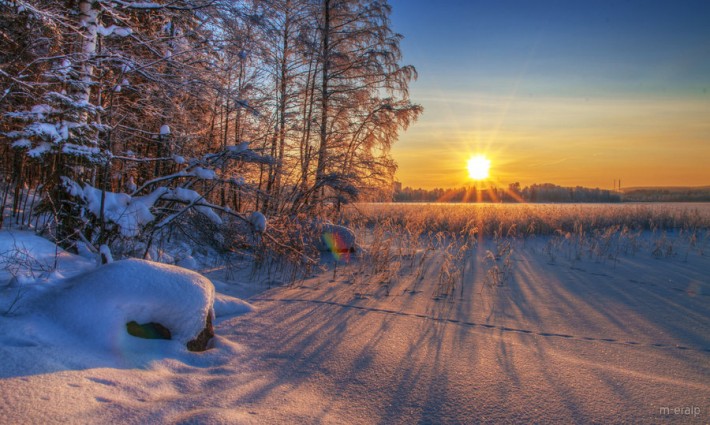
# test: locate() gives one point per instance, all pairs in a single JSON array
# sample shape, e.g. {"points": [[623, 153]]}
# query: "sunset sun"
{"points": [[478, 167]]}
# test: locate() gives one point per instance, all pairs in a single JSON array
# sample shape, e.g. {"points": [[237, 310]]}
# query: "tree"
{"points": [[116, 74], [359, 57]]}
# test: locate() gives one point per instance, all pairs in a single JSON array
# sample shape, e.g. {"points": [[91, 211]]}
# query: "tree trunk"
{"points": [[325, 50]]}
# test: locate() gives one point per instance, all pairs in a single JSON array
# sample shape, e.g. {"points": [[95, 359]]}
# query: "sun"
{"points": [[479, 167]]}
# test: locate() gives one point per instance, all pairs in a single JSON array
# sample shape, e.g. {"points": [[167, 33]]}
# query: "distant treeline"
{"points": [[546, 192], [667, 194]]}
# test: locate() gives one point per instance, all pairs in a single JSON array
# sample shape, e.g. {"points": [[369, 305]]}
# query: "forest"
{"points": [[122, 120]]}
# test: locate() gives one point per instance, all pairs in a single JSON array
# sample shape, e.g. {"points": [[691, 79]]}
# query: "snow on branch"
{"points": [[37, 113], [193, 199], [114, 31], [91, 153], [147, 5], [240, 152], [130, 214], [80, 105], [151, 182], [203, 168]]}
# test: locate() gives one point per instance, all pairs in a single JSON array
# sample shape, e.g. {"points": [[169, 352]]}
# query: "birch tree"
{"points": [[360, 57]]}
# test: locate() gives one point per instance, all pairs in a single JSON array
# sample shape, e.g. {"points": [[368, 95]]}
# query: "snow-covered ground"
{"points": [[539, 335]]}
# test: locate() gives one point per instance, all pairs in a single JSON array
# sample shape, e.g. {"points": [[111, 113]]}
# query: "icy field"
{"points": [[544, 329]]}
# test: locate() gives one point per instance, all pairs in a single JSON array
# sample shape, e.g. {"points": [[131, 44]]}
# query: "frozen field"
{"points": [[585, 325]]}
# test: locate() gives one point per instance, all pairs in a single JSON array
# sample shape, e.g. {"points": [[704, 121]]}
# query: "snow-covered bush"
{"points": [[100, 303]]}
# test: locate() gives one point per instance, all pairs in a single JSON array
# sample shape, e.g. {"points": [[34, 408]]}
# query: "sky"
{"points": [[565, 92]]}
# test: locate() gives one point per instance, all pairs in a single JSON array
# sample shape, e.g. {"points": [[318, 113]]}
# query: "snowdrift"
{"points": [[26, 258], [98, 304]]}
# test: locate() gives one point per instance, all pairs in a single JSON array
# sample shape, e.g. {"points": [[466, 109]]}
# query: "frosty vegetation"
{"points": [[125, 121], [400, 241]]}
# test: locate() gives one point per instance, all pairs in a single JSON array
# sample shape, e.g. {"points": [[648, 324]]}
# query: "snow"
{"points": [[203, 173], [241, 147], [113, 30], [561, 340], [85, 251], [105, 253], [39, 150], [188, 262], [41, 111], [192, 197], [225, 306], [81, 104], [98, 304], [38, 256], [129, 213], [138, 4], [65, 67], [64, 131], [22, 143], [92, 153], [44, 129], [67, 313], [258, 222], [131, 184]]}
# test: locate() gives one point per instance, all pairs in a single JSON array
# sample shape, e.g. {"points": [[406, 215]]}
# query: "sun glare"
{"points": [[478, 167]]}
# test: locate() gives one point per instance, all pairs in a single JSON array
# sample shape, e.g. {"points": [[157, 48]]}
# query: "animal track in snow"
{"points": [[485, 325]]}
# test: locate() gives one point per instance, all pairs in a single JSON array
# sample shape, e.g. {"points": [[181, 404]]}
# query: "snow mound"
{"points": [[28, 258], [98, 304], [258, 221], [225, 305]]}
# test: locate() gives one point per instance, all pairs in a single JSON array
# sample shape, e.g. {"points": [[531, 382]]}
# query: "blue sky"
{"points": [[496, 76]]}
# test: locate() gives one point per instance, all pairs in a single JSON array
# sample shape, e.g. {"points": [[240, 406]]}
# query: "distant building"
{"points": [[397, 186]]}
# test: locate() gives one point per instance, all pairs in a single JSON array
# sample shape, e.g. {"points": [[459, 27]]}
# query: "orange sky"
{"points": [[644, 142]]}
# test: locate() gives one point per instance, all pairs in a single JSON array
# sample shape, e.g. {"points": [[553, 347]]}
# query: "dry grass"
{"points": [[401, 240], [531, 219]]}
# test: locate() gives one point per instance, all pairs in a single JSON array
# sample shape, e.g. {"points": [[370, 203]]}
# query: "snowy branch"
{"points": [[157, 6]]}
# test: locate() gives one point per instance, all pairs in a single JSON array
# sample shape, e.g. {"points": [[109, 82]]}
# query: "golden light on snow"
{"points": [[479, 167]]}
